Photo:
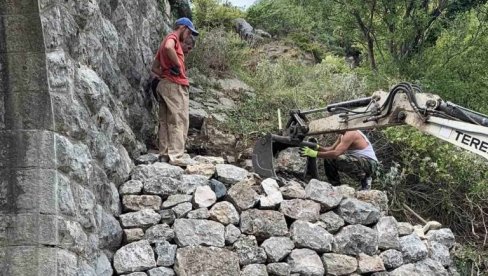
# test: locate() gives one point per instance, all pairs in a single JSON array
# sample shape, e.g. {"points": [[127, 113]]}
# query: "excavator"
{"points": [[404, 104]]}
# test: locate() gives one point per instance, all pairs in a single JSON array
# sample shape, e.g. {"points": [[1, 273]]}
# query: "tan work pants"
{"points": [[173, 118]]}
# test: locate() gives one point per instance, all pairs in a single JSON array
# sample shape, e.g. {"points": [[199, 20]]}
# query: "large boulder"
{"points": [[263, 223], [277, 248], [324, 193], [309, 235], [199, 232], [300, 209], [338, 264], [199, 260], [413, 248], [355, 239], [305, 262], [354, 211], [136, 256]]}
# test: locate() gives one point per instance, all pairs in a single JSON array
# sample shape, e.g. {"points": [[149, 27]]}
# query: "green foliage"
{"points": [[290, 85], [431, 169], [218, 52], [213, 13]]}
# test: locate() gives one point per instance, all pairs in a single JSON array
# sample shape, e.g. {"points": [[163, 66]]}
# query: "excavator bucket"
{"points": [[267, 147], [263, 155]]}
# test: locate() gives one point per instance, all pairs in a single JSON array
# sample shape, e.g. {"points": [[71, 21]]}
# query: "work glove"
{"points": [[308, 152], [175, 70]]}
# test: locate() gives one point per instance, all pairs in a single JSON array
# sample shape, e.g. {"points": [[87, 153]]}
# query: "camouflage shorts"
{"points": [[356, 167]]}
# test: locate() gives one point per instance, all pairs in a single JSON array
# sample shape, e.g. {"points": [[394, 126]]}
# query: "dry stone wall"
{"points": [[73, 114], [218, 219]]}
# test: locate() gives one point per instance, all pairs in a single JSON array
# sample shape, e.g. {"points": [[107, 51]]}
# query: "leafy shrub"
{"points": [[212, 13], [441, 181], [217, 52]]}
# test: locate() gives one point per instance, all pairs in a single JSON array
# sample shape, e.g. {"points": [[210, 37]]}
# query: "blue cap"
{"points": [[186, 22]]}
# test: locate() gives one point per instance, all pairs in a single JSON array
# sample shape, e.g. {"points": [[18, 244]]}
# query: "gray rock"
{"points": [[139, 202], [440, 253], [166, 253], [163, 186], [412, 248], [131, 187], [232, 233], [147, 158], [273, 195], [248, 251], [323, 193], [110, 233], [354, 211], [199, 232], [201, 213], [369, 264], [392, 258], [225, 213], [404, 228], [72, 236], [204, 197], [176, 199], [159, 233], [156, 171], [197, 117], [218, 187], [161, 271], [140, 219], [136, 256], [206, 169], [209, 159], [337, 264], [309, 235], [290, 160], [277, 248], [167, 216], [191, 181], [355, 239], [305, 262], [243, 196], [387, 228], [424, 267], [132, 235], [300, 209], [293, 190], [199, 260], [345, 190], [263, 223], [230, 174], [443, 236], [103, 267], [332, 221], [379, 199], [278, 269], [254, 270], [181, 210]]}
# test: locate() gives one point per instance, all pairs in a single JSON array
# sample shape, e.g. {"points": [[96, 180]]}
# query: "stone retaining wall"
{"points": [[218, 219]]}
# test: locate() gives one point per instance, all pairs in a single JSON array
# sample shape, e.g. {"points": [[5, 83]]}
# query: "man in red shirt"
{"points": [[169, 65]]}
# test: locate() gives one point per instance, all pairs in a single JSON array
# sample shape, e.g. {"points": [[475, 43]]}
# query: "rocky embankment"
{"points": [[218, 219]]}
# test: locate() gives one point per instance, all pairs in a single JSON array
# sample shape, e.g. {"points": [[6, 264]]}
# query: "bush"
{"points": [[439, 181], [212, 13], [217, 52]]}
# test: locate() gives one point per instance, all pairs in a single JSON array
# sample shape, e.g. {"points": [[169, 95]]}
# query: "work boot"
{"points": [[366, 183]]}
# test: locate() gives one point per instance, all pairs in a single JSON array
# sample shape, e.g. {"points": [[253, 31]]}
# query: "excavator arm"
{"points": [[405, 104]]}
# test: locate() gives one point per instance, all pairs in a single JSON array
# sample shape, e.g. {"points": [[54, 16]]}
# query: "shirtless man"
{"points": [[352, 153]]}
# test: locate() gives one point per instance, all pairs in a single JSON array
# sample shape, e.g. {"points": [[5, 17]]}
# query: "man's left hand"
{"points": [[308, 152]]}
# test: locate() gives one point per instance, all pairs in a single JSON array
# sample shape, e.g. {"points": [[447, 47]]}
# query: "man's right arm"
{"points": [[331, 147]]}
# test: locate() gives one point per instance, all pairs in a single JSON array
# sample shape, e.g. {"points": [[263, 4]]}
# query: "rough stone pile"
{"points": [[218, 219]]}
